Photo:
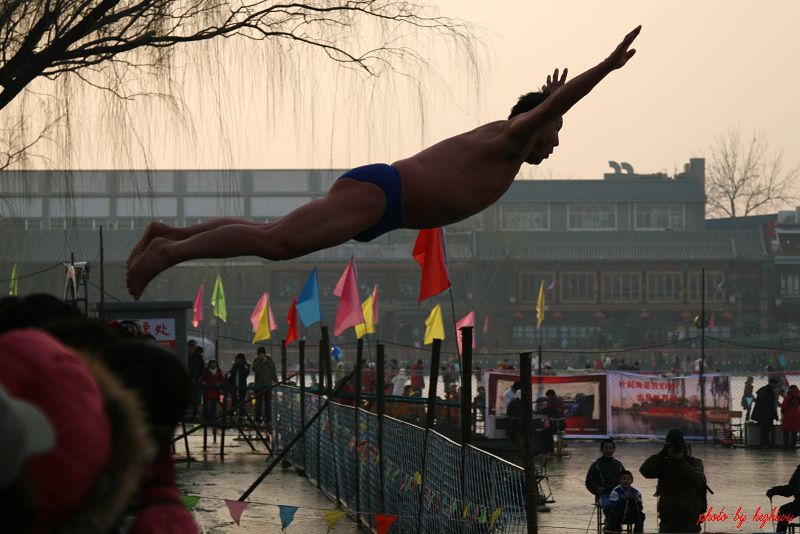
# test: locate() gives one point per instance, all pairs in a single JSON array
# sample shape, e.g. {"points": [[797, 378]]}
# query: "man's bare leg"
{"points": [[349, 208], [157, 229]]}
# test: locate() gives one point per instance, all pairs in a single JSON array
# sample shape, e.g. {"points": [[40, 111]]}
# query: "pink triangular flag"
{"points": [[349, 312], [255, 317], [468, 320], [375, 305], [383, 522], [236, 508], [198, 308]]}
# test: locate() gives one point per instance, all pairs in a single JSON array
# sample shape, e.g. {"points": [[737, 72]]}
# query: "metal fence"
{"points": [[432, 485]]}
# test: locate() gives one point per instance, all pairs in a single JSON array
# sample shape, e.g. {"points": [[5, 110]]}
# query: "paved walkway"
{"points": [[214, 481]]}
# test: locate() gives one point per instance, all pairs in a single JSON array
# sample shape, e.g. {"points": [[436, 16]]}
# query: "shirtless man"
{"points": [[446, 183]]}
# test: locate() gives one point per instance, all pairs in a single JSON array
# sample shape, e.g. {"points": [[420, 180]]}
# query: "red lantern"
{"points": [[686, 315], [558, 316], [599, 316], [518, 316], [790, 316], [644, 315], [727, 315]]}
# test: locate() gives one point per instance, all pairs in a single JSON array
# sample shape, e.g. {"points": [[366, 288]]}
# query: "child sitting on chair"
{"points": [[624, 505]]}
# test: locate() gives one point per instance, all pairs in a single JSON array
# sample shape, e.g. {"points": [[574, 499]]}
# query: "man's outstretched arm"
{"points": [[565, 94]]}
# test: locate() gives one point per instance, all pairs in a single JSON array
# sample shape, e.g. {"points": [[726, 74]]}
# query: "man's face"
{"points": [[190, 347], [608, 450], [545, 143], [625, 481]]}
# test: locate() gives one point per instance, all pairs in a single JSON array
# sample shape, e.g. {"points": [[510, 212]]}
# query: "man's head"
{"points": [[191, 346], [625, 479], [516, 386], [547, 139], [608, 447], [550, 393], [262, 351]]}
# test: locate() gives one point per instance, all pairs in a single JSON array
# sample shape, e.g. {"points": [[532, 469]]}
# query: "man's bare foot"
{"points": [[154, 229], [149, 264]]}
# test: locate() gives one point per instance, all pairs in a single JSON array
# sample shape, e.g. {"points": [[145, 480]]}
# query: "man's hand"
{"points": [[769, 494], [600, 490], [621, 54], [675, 455], [554, 83]]}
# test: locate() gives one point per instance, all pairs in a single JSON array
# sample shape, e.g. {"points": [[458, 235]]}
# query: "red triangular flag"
{"points": [[431, 254], [383, 522], [711, 323], [236, 508], [291, 335]]}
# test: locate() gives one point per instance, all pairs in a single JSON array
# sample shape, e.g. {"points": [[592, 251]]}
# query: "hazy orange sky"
{"points": [[701, 68]]}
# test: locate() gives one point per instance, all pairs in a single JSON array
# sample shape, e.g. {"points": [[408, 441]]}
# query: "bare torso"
{"points": [[458, 177]]}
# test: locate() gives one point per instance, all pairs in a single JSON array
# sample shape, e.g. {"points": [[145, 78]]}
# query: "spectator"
{"points": [[604, 473], [90, 412], [625, 505], [747, 397], [598, 364], [417, 378], [164, 395], [766, 411], [554, 410], [792, 490], [266, 376], [512, 393], [196, 365], [790, 423], [681, 485], [368, 377], [237, 379], [399, 381], [212, 378]]}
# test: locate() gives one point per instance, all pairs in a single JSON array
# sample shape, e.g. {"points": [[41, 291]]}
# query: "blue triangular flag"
{"points": [[309, 308], [287, 515]]}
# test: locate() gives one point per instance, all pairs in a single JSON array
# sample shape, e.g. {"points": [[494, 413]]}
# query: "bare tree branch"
{"points": [[744, 177]]}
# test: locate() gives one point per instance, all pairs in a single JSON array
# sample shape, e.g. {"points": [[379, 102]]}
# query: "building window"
{"points": [[715, 286], [659, 215], [527, 216], [622, 287], [529, 284], [790, 285], [592, 216], [665, 287], [470, 224], [578, 287]]}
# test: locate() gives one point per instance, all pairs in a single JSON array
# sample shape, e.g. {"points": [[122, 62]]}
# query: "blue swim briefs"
{"points": [[387, 178]]}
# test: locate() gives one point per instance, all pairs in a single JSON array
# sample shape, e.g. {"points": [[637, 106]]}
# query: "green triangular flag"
{"points": [[13, 286], [218, 300], [189, 502]]}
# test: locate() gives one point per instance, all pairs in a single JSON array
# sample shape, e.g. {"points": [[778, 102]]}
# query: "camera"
{"points": [[677, 448]]}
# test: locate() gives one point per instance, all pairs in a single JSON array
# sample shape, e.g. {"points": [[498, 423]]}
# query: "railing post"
{"points": [[429, 420], [380, 406], [528, 454]]}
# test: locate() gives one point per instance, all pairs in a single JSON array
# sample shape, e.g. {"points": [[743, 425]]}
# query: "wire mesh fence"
{"points": [[428, 481]]}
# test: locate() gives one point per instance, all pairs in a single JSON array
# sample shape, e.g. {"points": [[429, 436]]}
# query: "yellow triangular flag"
{"points": [[367, 327], [434, 328], [466, 510], [331, 517], [417, 478], [540, 306], [495, 515], [263, 324]]}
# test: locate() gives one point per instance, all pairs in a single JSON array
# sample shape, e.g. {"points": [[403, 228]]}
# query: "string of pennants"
{"points": [[382, 521]]}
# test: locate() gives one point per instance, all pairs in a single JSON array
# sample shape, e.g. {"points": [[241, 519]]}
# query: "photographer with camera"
{"points": [[681, 485]]}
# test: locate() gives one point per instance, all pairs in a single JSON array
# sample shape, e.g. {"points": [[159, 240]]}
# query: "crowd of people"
{"points": [[91, 452]]}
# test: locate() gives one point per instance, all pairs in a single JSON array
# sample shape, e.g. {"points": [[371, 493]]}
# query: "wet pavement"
{"points": [[738, 477], [214, 481]]}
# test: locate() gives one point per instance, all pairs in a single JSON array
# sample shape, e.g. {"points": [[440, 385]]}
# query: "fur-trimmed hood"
{"points": [[85, 483]]}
